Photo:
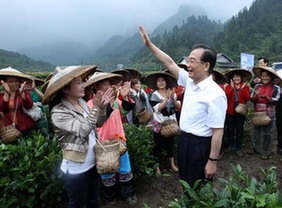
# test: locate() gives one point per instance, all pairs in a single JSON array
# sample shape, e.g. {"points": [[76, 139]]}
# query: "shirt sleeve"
{"points": [[216, 112], [183, 77]]}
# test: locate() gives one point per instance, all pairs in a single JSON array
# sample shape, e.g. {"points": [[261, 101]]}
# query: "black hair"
{"points": [[265, 60], [55, 100], [209, 55]]}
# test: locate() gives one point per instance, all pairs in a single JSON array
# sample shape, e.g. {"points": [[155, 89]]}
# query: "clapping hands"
{"points": [[102, 99]]}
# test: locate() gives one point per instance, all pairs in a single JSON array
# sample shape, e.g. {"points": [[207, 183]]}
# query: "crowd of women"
{"points": [[88, 106]]}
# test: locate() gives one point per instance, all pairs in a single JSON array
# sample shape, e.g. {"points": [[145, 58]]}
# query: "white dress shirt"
{"points": [[204, 106]]}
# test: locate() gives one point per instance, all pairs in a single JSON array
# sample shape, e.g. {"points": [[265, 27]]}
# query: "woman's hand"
{"points": [[172, 94], [22, 87], [101, 100], [33, 86], [231, 83], [168, 94], [243, 85], [266, 97], [21, 90], [6, 87], [124, 90]]}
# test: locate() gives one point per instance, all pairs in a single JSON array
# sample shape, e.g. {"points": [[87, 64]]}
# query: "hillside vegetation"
{"points": [[22, 62], [257, 30]]}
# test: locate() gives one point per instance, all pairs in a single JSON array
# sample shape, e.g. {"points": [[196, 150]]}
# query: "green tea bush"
{"points": [[140, 147], [238, 191], [29, 173]]}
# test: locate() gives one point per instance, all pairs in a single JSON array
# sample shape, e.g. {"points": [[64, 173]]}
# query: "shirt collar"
{"points": [[203, 84]]}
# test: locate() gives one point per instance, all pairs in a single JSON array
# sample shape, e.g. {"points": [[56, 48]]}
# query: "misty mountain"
{"points": [[120, 50], [246, 32], [22, 62], [60, 52], [179, 41], [178, 19]]}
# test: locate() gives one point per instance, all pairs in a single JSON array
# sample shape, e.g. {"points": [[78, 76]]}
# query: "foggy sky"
{"points": [[29, 23]]}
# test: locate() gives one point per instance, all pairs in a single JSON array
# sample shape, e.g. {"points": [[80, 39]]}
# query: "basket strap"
{"points": [[101, 145], [16, 108]]}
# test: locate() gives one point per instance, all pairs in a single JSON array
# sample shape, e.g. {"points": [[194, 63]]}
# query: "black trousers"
{"points": [[193, 153], [166, 143], [235, 123], [83, 189]]}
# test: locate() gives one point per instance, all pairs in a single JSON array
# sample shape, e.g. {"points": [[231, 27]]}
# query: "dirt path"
{"points": [[158, 192]]}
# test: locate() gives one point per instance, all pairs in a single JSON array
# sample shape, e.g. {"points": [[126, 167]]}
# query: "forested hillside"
{"points": [[179, 41], [256, 31], [22, 62]]}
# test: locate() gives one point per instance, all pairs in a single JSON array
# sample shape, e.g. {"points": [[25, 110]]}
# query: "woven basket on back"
{"points": [[241, 109], [107, 156], [261, 119], [122, 146], [169, 128], [9, 134], [144, 117]]}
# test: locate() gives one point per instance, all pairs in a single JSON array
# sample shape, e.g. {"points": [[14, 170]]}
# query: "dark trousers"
{"points": [[126, 188], [193, 154], [83, 189], [235, 123], [279, 122], [166, 143]]}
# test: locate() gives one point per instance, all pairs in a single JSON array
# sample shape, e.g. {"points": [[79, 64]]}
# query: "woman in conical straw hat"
{"points": [[14, 98], [75, 127], [238, 94], [164, 102], [113, 128], [265, 96]]}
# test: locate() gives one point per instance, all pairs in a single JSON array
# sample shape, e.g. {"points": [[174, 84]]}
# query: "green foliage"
{"points": [[140, 147], [238, 191], [29, 173], [257, 31], [22, 62]]}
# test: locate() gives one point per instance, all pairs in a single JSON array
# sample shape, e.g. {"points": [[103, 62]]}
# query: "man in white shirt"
{"points": [[203, 111]]}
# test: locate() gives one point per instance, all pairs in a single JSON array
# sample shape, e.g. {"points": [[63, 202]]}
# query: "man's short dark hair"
{"points": [[265, 60], [209, 55]]}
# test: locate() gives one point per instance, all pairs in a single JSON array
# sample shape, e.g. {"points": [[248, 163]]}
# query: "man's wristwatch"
{"points": [[213, 159]]}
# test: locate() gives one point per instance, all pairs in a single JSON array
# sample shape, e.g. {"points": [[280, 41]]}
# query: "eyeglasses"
{"points": [[192, 61]]}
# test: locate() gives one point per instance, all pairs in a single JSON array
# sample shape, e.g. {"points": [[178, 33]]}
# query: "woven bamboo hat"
{"points": [[259, 69], [142, 79], [134, 72], [246, 75], [183, 66], [8, 72], [100, 76], [44, 86], [127, 76], [62, 77], [38, 82], [151, 80], [219, 77]]}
